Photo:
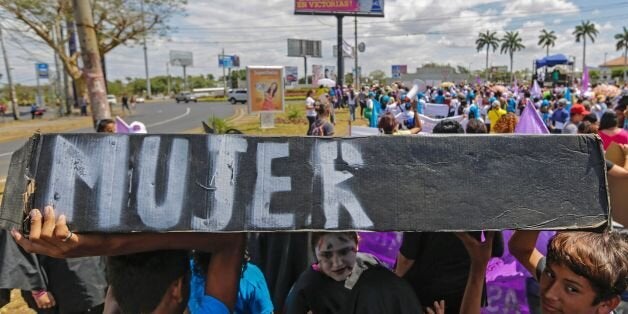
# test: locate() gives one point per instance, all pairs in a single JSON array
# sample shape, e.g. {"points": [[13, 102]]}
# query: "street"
{"points": [[159, 117]]}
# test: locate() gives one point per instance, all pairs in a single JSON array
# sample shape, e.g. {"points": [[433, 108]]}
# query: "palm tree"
{"points": [[511, 43], [547, 40], [582, 31], [622, 43], [487, 40]]}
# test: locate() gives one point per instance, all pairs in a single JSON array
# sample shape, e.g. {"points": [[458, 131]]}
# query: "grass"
{"points": [[292, 122]]}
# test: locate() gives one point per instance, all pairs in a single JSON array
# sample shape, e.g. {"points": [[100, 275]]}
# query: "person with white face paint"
{"points": [[346, 281]]}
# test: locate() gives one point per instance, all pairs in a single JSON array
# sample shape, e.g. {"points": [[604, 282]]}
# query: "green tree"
{"points": [[622, 43], [115, 22], [377, 75], [511, 43], [582, 31], [488, 40], [547, 40]]}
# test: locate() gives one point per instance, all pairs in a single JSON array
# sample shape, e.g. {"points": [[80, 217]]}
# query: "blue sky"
{"points": [[413, 33]]}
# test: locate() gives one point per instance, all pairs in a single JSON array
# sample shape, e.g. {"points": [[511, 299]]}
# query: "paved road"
{"points": [[160, 117]]}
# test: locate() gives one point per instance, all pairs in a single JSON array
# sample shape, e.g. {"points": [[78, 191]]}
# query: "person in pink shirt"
{"points": [[609, 131]]}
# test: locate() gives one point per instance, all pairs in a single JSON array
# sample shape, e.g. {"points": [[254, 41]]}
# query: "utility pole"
{"points": [[224, 78], [168, 74], [305, 68], [148, 89], [341, 59], [60, 92], [91, 60], [356, 77], [16, 114]]}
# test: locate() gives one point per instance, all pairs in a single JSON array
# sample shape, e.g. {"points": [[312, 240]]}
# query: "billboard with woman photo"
{"points": [[265, 88]]}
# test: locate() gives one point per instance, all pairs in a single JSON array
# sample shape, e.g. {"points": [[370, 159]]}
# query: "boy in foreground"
{"points": [[583, 272]]}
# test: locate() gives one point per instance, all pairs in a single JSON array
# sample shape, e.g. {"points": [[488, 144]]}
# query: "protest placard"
{"points": [[121, 183]]}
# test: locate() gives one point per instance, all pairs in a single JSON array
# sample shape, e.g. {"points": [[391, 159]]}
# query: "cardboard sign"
{"points": [[617, 187], [122, 183]]}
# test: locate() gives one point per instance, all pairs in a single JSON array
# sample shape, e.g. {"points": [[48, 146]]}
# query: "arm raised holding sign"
{"points": [[51, 236]]}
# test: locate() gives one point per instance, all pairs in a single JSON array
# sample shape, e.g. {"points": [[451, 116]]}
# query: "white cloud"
{"points": [[519, 7]]}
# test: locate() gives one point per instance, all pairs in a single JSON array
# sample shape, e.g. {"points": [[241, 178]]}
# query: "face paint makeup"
{"points": [[336, 255]]}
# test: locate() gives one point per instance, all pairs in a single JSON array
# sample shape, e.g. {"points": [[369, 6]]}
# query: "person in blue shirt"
{"points": [[474, 111], [253, 295], [560, 116], [512, 105], [440, 98]]}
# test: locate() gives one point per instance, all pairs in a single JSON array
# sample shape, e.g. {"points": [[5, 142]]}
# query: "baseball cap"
{"points": [[579, 109]]}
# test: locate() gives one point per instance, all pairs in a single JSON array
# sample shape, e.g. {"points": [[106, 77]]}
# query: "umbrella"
{"points": [[326, 82]]}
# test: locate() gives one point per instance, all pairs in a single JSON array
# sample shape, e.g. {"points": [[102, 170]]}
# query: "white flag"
{"points": [[347, 49]]}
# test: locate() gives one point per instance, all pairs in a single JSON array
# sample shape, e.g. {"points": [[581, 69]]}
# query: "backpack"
{"points": [[318, 130]]}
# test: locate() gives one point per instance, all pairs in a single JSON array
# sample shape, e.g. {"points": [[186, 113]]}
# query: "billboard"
{"points": [[335, 7], [181, 58], [228, 62], [317, 74], [42, 70], [292, 75], [398, 70], [265, 86], [303, 48]]}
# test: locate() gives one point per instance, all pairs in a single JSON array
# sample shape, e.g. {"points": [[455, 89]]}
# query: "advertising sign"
{"points": [[292, 75], [398, 70], [334, 7], [304, 48], [42, 70], [228, 61], [317, 74], [265, 86], [181, 58]]}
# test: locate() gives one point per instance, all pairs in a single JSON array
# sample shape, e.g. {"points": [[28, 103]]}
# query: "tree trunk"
{"points": [[512, 71], [625, 63], [486, 70], [584, 53]]}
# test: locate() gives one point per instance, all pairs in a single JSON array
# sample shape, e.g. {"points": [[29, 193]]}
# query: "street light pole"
{"points": [[148, 89]]}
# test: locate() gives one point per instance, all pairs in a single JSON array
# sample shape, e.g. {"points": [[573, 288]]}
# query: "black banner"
{"points": [[123, 183]]}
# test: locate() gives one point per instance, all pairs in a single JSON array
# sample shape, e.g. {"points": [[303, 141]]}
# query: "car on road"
{"points": [[185, 97], [139, 100], [111, 99], [237, 95]]}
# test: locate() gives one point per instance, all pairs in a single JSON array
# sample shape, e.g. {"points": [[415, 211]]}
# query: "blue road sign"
{"points": [[42, 70]]}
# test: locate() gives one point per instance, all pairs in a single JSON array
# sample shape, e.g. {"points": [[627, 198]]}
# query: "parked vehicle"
{"points": [[237, 95], [139, 100], [185, 97], [111, 99]]}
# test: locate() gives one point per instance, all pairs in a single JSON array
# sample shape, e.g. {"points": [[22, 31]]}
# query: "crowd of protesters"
{"points": [[582, 272]]}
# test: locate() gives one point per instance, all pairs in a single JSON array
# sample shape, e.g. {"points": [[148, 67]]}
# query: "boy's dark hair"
{"points": [[602, 258], [448, 126], [475, 126], [608, 120], [591, 117], [140, 281], [103, 123]]}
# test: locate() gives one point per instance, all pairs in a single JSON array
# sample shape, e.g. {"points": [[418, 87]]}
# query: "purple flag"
{"points": [[585, 79], [515, 88], [478, 80], [530, 122], [536, 90], [384, 245]]}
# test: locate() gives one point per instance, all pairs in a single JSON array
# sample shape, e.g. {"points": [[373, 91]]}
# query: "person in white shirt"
{"points": [[310, 111]]}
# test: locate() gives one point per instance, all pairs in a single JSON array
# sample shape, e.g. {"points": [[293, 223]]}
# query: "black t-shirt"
{"points": [[441, 266], [378, 291]]}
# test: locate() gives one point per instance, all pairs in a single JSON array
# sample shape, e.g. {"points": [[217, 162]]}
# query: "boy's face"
{"points": [[563, 291], [336, 254]]}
